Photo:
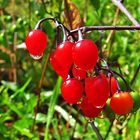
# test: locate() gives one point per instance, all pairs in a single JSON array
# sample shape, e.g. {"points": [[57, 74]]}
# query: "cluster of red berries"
{"points": [[83, 83]]}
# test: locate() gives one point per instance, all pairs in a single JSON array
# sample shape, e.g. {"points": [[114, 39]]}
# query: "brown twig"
{"points": [[29, 6], [111, 32], [85, 10], [39, 89], [108, 131], [135, 74], [125, 11], [14, 58], [92, 28], [96, 130]]}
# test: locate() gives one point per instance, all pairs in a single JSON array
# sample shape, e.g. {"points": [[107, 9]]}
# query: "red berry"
{"points": [[113, 84], [36, 42], [85, 54], [57, 67], [88, 109], [64, 54], [97, 90], [78, 73], [121, 103], [72, 90], [61, 59]]}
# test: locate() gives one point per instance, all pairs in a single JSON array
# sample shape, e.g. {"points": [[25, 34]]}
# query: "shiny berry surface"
{"points": [[113, 84], [85, 54], [72, 90], [97, 90], [88, 109], [36, 42], [58, 67], [78, 73], [63, 54], [121, 103], [61, 59]]}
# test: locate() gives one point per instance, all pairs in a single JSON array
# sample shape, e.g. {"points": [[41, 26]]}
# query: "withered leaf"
{"points": [[72, 18]]}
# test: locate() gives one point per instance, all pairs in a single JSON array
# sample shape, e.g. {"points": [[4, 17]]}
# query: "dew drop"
{"points": [[36, 57]]}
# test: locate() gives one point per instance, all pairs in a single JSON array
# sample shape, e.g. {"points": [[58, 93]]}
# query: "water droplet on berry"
{"points": [[36, 57]]}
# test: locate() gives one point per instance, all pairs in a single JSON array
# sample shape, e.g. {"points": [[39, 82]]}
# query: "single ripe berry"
{"points": [[61, 59], [36, 42], [78, 73], [121, 103], [72, 90], [113, 83], [85, 54], [97, 90], [64, 54], [88, 109], [57, 67]]}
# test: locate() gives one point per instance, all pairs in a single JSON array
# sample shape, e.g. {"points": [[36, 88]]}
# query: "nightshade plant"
{"points": [[88, 79]]}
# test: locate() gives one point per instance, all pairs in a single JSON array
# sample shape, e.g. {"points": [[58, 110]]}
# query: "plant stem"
{"points": [[108, 131], [125, 11], [13, 59], [112, 32], [135, 74], [30, 14], [96, 130], [92, 28], [39, 90]]}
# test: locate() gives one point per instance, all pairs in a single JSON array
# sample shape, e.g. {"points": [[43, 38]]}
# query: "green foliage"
{"points": [[51, 107], [20, 75]]}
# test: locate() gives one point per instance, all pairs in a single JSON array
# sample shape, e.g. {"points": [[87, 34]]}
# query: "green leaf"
{"points": [[51, 107], [25, 122], [65, 115], [95, 4], [4, 3], [10, 85], [40, 118], [22, 89], [23, 125], [24, 131], [14, 108], [55, 126], [31, 103]]}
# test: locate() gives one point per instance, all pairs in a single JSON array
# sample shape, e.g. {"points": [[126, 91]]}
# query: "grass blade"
{"points": [[51, 107]]}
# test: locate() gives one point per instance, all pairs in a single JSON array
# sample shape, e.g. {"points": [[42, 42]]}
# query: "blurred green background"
{"points": [[20, 74]]}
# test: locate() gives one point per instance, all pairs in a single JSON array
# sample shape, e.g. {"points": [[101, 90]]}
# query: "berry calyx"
{"points": [[85, 54], [36, 42], [72, 90], [88, 109], [97, 90], [121, 103]]}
